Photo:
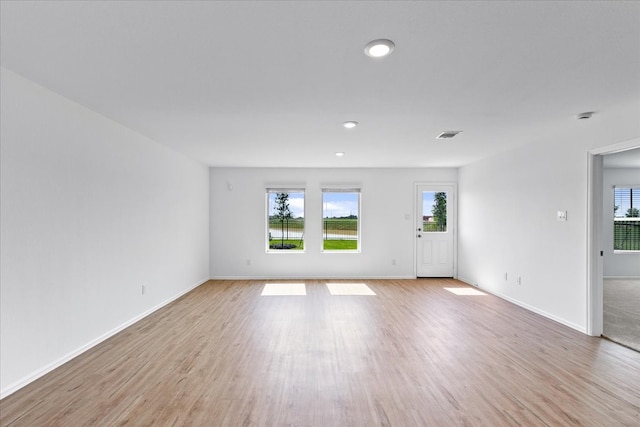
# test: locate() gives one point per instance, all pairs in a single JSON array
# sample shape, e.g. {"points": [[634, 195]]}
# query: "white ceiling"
{"points": [[269, 83], [624, 159]]}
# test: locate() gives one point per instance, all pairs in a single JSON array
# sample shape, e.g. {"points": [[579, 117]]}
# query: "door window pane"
{"points": [[434, 211]]}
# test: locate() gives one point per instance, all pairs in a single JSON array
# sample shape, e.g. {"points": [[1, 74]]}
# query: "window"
{"points": [[285, 220], [341, 220], [626, 218]]}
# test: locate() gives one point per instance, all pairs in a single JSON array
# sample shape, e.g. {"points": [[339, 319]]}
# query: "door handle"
{"points": [[419, 235]]}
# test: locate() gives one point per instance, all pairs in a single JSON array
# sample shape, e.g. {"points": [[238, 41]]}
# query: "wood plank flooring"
{"points": [[412, 355]]}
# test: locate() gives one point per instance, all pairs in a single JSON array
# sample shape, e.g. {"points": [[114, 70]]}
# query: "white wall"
{"points": [[620, 264], [507, 217], [90, 211], [387, 220]]}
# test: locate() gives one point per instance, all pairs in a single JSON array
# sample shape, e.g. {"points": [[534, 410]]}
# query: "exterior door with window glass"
{"points": [[435, 230]]}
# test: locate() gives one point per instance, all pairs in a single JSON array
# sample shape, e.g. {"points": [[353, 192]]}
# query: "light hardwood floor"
{"points": [[412, 355]]}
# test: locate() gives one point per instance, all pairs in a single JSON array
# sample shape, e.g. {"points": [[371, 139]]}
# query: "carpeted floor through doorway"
{"points": [[622, 311]]}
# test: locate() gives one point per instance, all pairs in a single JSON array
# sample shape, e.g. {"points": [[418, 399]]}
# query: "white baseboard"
{"points": [[528, 307], [17, 385], [323, 277]]}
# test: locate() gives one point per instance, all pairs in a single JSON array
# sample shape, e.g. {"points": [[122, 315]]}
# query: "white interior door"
{"points": [[435, 230]]}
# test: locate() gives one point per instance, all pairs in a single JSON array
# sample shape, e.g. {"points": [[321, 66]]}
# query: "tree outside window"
{"points": [[285, 218]]}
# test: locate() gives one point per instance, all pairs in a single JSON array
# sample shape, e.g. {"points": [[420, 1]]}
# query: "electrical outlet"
{"points": [[248, 262], [144, 288], [393, 262], [506, 277], [519, 281]]}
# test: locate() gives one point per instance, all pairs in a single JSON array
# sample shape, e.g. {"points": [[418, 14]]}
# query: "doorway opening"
{"points": [[597, 244]]}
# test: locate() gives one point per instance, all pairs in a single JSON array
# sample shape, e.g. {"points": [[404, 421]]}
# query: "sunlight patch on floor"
{"points": [[277, 289], [465, 291], [349, 289]]}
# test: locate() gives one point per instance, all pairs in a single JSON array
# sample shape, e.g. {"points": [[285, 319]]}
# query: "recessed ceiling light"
{"points": [[350, 124], [448, 134], [379, 48], [339, 154]]}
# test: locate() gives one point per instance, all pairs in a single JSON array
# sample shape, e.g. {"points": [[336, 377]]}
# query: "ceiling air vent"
{"points": [[448, 134]]}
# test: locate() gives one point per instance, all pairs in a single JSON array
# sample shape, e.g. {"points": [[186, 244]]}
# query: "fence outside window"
{"points": [[626, 234], [340, 229], [428, 226]]}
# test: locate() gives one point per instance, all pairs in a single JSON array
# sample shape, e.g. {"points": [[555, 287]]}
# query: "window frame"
{"points": [[634, 195], [267, 233], [356, 190]]}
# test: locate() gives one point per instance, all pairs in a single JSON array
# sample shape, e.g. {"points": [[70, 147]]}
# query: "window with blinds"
{"points": [[626, 218]]}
